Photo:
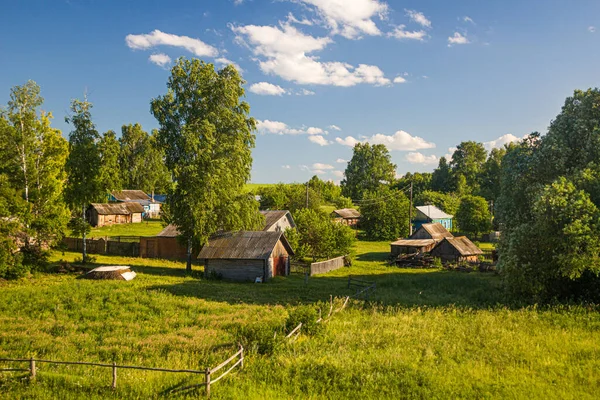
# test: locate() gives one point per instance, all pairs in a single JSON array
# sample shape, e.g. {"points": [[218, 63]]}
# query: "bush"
{"points": [[308, 316], [261, 337]]}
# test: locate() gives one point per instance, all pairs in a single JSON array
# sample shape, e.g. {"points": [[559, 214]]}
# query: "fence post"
{"points": [[32, 369], [207, 382], [348, 281], [242, 356], [114, 371]]}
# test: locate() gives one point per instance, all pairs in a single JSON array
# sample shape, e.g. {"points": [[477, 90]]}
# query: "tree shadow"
{"points": [[144, 269], [373, 256]]}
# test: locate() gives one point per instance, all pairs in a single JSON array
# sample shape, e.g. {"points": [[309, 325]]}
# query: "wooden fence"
{"points": [[128, 246], [326, 266], [362, 287], [208, 380]]}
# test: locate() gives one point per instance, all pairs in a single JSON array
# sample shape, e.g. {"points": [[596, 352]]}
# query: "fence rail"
{"points": [[362, 287]]}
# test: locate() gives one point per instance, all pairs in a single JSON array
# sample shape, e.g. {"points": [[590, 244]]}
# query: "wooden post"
{"points": [[114, 370], [242, 356], [32, 369], [207, 382]]}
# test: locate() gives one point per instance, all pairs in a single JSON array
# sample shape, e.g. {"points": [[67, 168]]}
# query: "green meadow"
{"points": [[424, 334]]}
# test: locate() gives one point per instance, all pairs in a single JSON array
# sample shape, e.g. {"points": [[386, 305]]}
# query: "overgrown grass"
{"points": [[426, 334], [145, 228]]}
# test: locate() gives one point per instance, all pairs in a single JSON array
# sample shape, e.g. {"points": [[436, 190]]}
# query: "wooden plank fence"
{"points": [[323, 267], [208, 372]]}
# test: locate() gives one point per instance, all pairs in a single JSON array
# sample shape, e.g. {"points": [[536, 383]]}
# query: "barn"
{"points": [[457, 249], [431, 214], [247, 255], [102, 214], [422, 240], [348, 216], [278, 220], [164, 245]]}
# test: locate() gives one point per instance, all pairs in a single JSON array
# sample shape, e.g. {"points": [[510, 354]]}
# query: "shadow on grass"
{"points": [[374, 256], [400, 288]]}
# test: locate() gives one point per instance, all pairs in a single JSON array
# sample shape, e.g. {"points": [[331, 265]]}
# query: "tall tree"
{"points": [[369, 169], [207, 135], [83, 164], [490, 175], [441, 179], [473, 216], [110, 167], [467, 161], [385, 214]]}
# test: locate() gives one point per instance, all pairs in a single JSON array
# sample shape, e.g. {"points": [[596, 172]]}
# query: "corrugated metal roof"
{"points": [[433, 212], [169, 231], [347, 213], [243, 245], [273, 216], [130, 195], [436, 231], [117, 208], [464, 246], [413, 242]]}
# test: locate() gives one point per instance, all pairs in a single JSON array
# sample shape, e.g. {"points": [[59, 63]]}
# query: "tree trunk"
{"points": [[188, 266], [84, 249]]}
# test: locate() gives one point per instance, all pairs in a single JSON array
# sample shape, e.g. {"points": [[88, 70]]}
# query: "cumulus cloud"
{"points": [[305, 92], [401, 141], [350, 18], [285, 52], [399, 79], [281, 128], [338, 174], [401, 33], [341, 161], [293, 20], [160, 59], [224, 61], [501, 141], [286, 167], [158, 38], [266, 89], [320, 140], [419, 18], [458, 38], [322, 166], [335, 127], [420, 158], [466, 18]]}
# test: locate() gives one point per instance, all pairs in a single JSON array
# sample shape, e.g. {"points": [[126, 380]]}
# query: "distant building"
{"points": [[102, 214], [348, 216], [429, 214], [457, 249], [278, 220], [247, 255], [164, 245], [151, 205], [422, 240]]}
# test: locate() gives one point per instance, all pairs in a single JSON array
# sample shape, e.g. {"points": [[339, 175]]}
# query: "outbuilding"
{"points": [[430, 214], [422, 240], [457, 249], [102, 214], [164, 245], [247, 255], [278, 220], [347, 216], [151, 204]]}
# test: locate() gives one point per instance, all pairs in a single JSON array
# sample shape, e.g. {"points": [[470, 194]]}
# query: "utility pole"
{"points": [[410, 210]]}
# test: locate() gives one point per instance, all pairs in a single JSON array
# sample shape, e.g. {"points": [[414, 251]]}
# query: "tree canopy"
{"points": [[384, 214], [369, 169]]}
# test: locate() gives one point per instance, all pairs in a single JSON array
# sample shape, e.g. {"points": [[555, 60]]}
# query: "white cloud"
{"points": [[400, 33], [348, 141], [305, 92], [281, 128], [335, 127], [466, 18], [320, 140], [160, 59], [158, 38], [458, 38], [419, 18], [315, 131], [286, 167], [420, 158], [266, 89], [501, 141], [224, 61], [285, 52], [238, 2], [341, 161], [401, 141], [322, 166], [292, 19], [591, 29], [338, 174], [350, 18], [451, 151], [399, 79]]}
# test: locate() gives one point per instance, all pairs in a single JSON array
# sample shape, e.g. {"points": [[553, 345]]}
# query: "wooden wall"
{"points": [[236, 270], [163, 247], [326, 266]]}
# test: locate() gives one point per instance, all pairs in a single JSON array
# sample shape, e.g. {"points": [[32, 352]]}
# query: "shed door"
{"points": [[279, 266]]}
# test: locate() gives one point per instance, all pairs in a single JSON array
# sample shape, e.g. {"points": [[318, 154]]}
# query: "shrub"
{"points": [[261, 337], [308, 316]]}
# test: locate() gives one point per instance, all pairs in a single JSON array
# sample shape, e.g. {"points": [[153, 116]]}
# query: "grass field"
{"points": [[145, 228], [426, 334]]}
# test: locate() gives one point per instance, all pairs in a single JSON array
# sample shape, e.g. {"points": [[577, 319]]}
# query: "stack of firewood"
{"points": [[414, 261]]}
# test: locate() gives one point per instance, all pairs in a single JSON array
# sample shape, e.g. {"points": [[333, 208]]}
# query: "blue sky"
{"points": [[418, 76]]}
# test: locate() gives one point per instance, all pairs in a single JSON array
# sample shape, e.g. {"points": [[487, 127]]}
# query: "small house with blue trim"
{"points": [[431, 214]]}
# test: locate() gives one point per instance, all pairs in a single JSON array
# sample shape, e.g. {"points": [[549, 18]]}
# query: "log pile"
{"points": [[415, 261]]}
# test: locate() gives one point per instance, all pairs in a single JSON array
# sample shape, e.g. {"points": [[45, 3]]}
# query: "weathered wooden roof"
{"points": [[130, 195], [463, 245], [413, 242], [169, 231], [347, 213], [117, 208], [433, 212], [243, 245], [273, 216], [436, 231]]}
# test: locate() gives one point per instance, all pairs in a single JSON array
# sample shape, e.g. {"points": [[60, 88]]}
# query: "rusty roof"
{"points": [[436, 231], [117, 208], [463, 245], [347, 213], [169, 231], [130, 195], [272, 217], [243, 245], [413, 242]]}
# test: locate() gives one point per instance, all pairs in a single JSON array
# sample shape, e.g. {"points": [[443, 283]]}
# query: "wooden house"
{"points": [[278, 220], [164, 245], [247, 255], [150, 204], [102, 214], [348, 216], [457, 249], [422, 240], [430, 214]]}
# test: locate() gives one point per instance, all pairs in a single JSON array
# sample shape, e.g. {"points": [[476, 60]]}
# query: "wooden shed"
{"points": [[278, 220], [102, 214], [247, 255], [457, 249], [151, 204], [348, 216], [422, 241], [164, 245]]}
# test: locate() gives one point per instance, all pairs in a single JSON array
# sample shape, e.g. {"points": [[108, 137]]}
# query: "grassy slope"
{"points": [[146, 228], [428, 334]]}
